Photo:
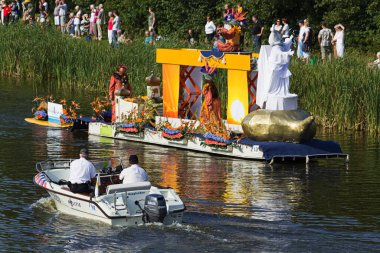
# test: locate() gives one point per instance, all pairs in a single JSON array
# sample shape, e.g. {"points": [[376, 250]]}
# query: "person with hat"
{"points": [[82, 172], [134, 173], [119, 85]]}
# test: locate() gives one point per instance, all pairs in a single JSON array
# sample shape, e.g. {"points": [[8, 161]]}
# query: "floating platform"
{"points": [[245, 148], [47, 123]]}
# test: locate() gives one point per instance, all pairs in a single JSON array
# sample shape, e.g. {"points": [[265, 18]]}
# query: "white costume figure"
{"points": [[339, 40], [273, 83]]}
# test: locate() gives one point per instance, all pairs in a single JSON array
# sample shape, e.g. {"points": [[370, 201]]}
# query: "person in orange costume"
{"points": [[119, 81], [211, 107]]}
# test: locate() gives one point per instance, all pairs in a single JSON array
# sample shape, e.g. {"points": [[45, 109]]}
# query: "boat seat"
{"points": [[128, 187]]}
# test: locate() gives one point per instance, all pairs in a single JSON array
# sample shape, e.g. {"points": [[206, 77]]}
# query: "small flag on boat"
{"points": [[97, 185]]}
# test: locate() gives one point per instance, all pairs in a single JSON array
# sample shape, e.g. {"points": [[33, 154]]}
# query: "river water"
{"points": [[232, 205]]}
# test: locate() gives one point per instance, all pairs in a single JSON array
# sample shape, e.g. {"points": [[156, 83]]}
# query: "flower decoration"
{"points": [[132, 123], [218, 140], [69, 111], [102, 108], [40, 110]]}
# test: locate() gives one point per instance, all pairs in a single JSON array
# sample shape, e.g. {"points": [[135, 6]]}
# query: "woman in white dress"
{"points": [[338, 41]]}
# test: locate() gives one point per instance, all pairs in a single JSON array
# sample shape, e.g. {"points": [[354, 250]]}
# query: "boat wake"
{"points": [[47, 204]]}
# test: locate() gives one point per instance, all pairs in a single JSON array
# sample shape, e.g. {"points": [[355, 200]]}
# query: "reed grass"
{"points": [[344, 95]]}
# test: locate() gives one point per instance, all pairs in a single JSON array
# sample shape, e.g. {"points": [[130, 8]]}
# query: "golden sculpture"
{"points": [[289, 126]]}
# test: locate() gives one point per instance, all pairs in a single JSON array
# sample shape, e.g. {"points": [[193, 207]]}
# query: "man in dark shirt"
{"points": [[256, 31]]}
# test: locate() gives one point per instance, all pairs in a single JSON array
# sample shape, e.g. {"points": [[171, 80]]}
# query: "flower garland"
{"points": [[218, 140], [172, 133], [132, 123]]}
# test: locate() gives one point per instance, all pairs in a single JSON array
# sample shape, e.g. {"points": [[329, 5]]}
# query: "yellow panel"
{"points": [[237, 107], [170, 74], [46, 123], [190, 57]]}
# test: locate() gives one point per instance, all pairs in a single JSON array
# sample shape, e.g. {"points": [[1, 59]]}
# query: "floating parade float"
{"points": [[262, 122]]}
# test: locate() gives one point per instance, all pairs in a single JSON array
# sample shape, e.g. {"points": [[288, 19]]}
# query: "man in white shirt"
{"points": [[134, 173], [81, 173], [210, 29]]}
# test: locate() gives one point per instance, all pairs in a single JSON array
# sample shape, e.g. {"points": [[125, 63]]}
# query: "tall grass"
{"points": [[343, 95]]}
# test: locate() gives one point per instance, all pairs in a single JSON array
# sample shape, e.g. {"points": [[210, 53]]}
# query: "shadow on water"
{"points": [[232, 204]]}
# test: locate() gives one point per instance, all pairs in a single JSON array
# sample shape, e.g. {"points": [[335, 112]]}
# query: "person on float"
{"points": [[119, 84], [82, 172], [211, 107], [134, 173]]}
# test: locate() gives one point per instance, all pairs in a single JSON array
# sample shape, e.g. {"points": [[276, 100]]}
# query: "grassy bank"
{"points": [[344, 95]]}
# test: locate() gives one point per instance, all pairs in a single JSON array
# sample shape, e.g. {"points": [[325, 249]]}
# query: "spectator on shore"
{"points": [[257, 30], [190, 37], [56, 15], [84, 25], [115, 27], [124, 39], [62, 14], [78, 11], [6, 12], [43, 13], [375, 63], [285, 29], [15, 6], [70, 27], [30, 14], [148, 38], [300, 38], [93, 17], [100, 21], [77, 22], [325, 38], [277, 26], [338, 41], [109, 27], [152, 22], [306, 42], [210, 29]]}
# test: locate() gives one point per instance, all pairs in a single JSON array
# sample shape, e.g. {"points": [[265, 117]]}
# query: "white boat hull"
{"points": [[116, 209]]}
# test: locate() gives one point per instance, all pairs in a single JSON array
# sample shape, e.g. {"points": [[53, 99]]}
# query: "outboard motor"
{"points": [[155, 208]]}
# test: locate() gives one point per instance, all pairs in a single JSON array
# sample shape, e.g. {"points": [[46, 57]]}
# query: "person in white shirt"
{"points": [[285, 29], [338, 41], [93, 17], [134, 173], [210, 29], [82, 172]]}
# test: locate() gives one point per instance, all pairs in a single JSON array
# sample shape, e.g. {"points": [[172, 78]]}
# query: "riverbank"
{"points": [[344, 95]]}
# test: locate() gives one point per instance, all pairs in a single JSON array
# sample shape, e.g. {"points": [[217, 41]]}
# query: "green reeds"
{"points": [[343, 95]]}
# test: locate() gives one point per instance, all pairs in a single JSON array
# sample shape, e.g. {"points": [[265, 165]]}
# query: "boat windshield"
{"points": [[99, 163]]}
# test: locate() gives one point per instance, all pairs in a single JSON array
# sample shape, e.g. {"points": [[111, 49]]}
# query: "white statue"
{"points": [[273, 82]]}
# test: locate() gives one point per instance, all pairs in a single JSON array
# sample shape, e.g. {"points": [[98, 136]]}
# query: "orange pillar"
{"points": [[238, 99], [171, 75]]}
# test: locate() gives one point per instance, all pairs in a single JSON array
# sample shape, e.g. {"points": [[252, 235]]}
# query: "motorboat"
{"points": [[113, 203]]}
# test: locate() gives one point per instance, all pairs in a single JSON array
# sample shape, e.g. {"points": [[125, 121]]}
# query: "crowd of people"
{"points": [[92, 25]]}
